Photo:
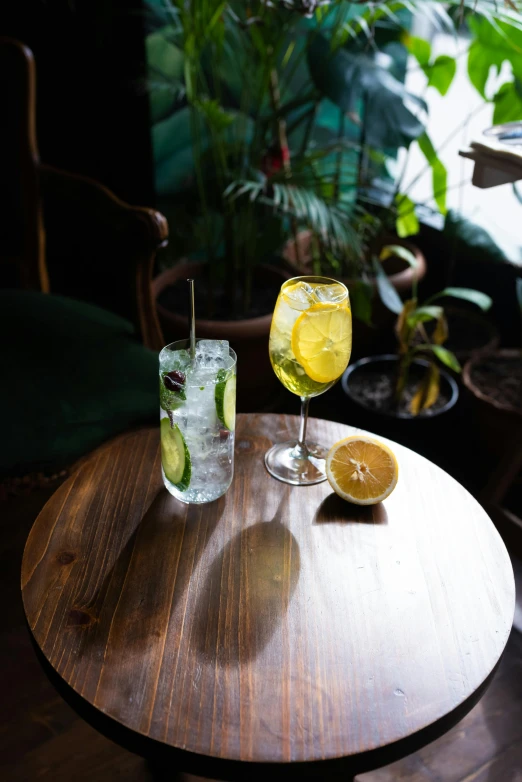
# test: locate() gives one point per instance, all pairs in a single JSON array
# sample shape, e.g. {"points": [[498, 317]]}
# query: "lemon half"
{"points": [[362, 470]]}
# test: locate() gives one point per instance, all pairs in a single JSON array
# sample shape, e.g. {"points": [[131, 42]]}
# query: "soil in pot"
{"points": [[499, 378], [369, 387], [374, 389], [263, 298]]}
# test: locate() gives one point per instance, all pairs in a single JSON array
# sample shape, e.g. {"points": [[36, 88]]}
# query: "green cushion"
{"points": [[73, 375]]}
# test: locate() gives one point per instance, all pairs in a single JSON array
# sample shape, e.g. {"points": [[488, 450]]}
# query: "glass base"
{"points": [[291, 463], [198, 496]]}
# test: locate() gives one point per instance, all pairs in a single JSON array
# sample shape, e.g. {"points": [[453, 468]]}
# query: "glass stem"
{"points": [[301, 450]]}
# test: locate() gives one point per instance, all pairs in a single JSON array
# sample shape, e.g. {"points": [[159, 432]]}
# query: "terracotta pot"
{"points": [[400, 273], [495, 424], [366, 339], [257, 383]]}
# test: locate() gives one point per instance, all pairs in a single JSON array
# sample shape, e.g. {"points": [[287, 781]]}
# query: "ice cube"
{"points": [[212, 354], [213, 348], [174, 359], [334, 293], [299, 296]]}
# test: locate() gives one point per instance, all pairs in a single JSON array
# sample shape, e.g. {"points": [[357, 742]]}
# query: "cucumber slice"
{"points": [[175, 456], [225, 396]]}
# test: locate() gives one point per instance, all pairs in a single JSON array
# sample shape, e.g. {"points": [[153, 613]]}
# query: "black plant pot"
{"points": [[426, 433]]}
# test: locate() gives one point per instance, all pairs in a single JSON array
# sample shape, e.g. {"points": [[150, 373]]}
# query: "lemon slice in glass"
{"points": [[322, 341]]}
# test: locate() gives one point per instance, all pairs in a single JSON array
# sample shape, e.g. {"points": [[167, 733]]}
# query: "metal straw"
{"points": [[192, 320]]}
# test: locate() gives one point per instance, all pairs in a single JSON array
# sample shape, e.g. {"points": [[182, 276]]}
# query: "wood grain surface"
{"points": [[278, 623]]}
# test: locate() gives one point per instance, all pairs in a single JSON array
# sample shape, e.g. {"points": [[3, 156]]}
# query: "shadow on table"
{"points": [[149, 575], [334, 509], [247, 592]]}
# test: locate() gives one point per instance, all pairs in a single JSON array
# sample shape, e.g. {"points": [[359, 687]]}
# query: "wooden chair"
{"points": [[75, 277], [66, 233]]}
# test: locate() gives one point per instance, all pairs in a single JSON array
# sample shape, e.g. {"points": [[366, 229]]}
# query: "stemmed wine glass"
{"points": [[310, 346]]}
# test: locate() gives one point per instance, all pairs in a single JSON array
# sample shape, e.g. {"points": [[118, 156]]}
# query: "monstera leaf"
{"points": [[165, 63], [492, 45], [508, 102], [172, 143], [393, 117]]}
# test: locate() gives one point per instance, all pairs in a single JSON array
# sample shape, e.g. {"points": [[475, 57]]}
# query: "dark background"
{"points": [[92, 110]]}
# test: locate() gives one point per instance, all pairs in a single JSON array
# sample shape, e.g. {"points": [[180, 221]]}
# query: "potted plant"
{"points": [[493, 383], [258, 135], [357, 79], [265, 161], [262, 165], [410, 386]]}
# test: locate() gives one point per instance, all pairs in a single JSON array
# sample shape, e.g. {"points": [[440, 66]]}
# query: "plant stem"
{"points": [[363, 153], [283, 149], [298, 60], [434, 195], [309, 128], [194, 124], [339, 156]]}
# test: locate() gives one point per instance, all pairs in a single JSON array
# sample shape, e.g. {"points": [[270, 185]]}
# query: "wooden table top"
{"points": [[278, 623]]}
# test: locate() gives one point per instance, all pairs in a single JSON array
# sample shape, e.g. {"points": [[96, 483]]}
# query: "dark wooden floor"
{"points": [[42, 739]]}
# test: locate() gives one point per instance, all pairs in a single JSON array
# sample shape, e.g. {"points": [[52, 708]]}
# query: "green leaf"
{"points": [[482, 300], [216, 117], [427, 391], [349, 78], [440, 332], [423, 314], [493, 43], [389, 296], [216, 17], [419, 48], [361, 295], [170, 400], [406, 221], [189, 81], [403, 331], [469, 238], [441, 73], [165, 64], [439, 174], [172, 145], [508, 103], [446, 356], [398, 251], [326, 220]]}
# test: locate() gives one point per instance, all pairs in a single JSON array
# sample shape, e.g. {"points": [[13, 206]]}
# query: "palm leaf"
{"points": [[330, 222]]}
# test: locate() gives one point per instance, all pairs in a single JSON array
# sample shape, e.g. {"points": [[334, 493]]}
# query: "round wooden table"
{"points": [[277, 630]]}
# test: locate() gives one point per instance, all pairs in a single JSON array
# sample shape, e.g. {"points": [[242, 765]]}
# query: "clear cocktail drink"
{"points": [[197, 419], [310, 346]]}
